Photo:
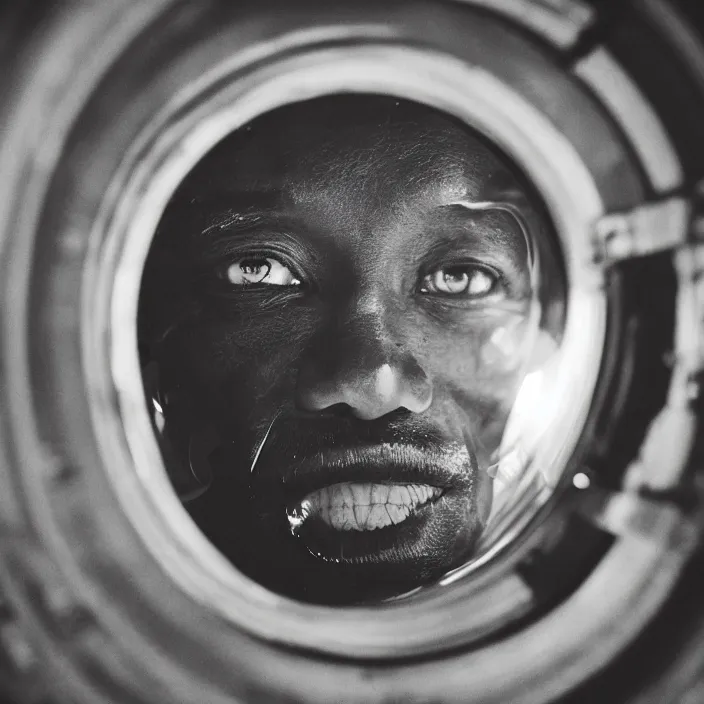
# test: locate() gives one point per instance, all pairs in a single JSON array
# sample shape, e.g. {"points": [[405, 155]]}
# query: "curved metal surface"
{"points": [[66, 541]]}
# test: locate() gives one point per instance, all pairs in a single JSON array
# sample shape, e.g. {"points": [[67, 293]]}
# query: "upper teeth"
{"points": [[352, 506]]}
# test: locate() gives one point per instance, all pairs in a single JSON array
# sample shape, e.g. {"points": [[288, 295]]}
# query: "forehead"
{"points": [[366, 148]]}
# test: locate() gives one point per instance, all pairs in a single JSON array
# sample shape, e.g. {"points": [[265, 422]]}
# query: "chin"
{"points": [[347, 525], [331, 557]]}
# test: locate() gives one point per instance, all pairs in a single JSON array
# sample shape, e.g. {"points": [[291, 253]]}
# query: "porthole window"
{"points": [[346, 301], [351, 351]]}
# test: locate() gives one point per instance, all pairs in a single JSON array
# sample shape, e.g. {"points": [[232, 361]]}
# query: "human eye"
{"points": [[465, 281], [261, 270]]}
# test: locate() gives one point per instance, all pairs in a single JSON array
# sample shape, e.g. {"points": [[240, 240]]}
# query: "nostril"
{"points": [[336, 410], [366, 381], [398, 414]]}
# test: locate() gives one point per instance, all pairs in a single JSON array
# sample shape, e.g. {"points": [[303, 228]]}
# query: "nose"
{"points": [[360, 366]]}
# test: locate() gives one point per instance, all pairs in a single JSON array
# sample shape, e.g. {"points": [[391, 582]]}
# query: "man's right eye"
{"points": [[266, 271]]}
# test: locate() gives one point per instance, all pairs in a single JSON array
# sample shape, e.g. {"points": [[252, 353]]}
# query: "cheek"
{"points": [[505, 347], [235, 365], [487, 357], [478, 370]]}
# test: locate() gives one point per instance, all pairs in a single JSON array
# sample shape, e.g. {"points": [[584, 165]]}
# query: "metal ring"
{"points": [[468, 92]]}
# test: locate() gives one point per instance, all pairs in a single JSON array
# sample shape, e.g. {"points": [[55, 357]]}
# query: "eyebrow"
{"points": [[234, 219], [238, 214], [235, 227], [513, 210], [234, 210], [506, 207]]}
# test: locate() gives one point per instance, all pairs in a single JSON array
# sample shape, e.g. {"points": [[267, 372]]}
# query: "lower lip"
{"points": [[353, 522]]}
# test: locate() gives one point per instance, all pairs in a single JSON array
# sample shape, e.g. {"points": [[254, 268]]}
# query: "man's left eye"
{"points": [[460, 280], [261, 270]]}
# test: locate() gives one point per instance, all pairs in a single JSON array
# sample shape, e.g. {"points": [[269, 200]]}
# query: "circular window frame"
{"points": [[167, 150], [55, 503]]}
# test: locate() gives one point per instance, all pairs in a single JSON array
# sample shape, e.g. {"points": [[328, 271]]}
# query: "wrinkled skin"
{"points": [[358, 371]]}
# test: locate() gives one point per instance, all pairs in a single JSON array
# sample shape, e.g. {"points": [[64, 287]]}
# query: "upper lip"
{"points": [[400, 464]]}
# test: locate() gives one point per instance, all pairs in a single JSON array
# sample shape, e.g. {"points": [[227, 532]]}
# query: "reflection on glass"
{"points": [[341, 310]]}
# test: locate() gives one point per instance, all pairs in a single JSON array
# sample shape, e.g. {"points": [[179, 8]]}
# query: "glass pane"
{"points": [[348, 321]]}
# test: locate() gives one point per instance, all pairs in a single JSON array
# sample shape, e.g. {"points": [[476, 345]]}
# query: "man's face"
{"points": [[353, 333]]}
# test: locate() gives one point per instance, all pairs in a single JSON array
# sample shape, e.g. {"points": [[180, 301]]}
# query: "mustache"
{"points": [[299, 455], [301, 436]]}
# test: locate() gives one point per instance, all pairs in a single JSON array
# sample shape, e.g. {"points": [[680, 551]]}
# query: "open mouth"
{"points": [[396, 511], [357, 506]]}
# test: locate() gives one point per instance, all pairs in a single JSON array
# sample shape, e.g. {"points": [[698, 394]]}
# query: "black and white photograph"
{"points": [[352, 351]]}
